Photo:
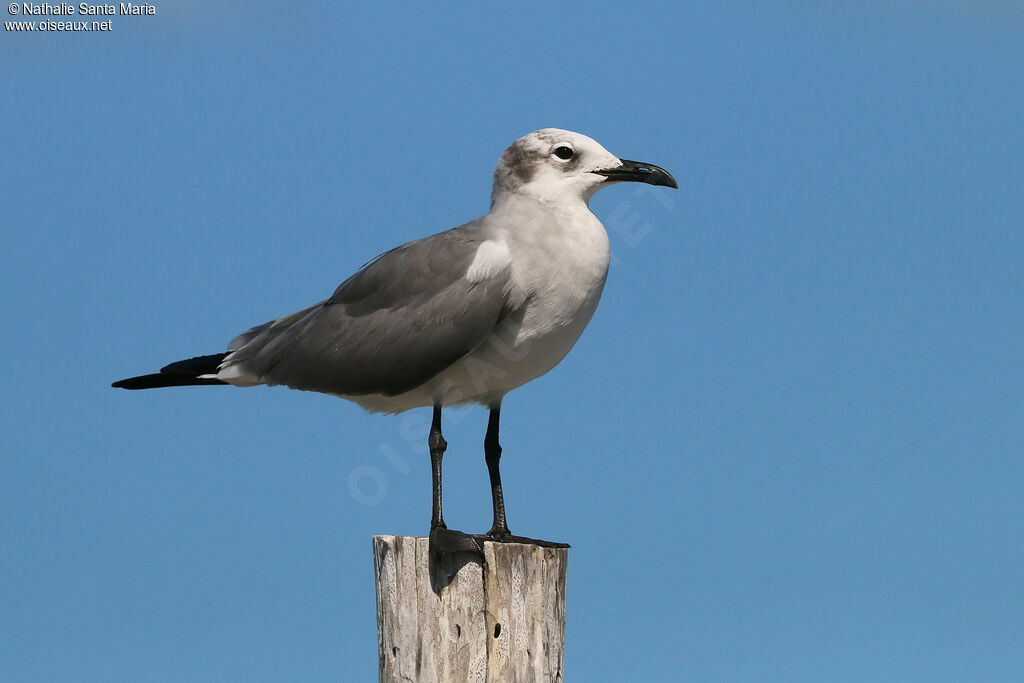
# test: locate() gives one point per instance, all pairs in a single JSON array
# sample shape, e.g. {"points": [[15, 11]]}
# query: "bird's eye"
{"points": [[563, 152]]}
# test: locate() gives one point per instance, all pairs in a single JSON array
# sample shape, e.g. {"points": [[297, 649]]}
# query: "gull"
{"points": [[460, 317]]}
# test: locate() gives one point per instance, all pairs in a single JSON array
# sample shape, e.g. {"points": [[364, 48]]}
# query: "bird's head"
{"points": [[554, 165]]}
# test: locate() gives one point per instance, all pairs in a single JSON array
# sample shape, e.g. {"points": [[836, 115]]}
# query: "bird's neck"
{"points": [[528, 200], [552, 238]]}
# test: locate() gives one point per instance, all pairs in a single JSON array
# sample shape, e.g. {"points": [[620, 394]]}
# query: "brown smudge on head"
{"points": [[519, 161]]}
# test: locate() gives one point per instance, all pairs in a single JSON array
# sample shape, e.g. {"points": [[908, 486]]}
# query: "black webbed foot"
{"points": [[448, 552], [506, 537], [444, 541]]}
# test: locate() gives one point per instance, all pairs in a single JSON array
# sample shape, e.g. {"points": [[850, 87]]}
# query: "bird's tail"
{"points": [[198, 370]]}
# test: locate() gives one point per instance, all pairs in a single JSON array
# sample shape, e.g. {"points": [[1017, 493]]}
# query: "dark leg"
{"points": [[437, 446], [444, 541], [492, 453]]}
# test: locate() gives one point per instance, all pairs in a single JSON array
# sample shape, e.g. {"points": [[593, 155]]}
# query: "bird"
{"points": [[463, 316]]}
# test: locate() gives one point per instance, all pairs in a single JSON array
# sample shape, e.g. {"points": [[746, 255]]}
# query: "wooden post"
{"points": [[461, 621]]}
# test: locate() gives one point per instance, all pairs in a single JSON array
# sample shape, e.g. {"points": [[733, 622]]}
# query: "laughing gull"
{"points": [[460, 317]]}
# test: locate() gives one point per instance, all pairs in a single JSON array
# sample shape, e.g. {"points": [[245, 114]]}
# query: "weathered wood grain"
{"points": [[500, 621]]}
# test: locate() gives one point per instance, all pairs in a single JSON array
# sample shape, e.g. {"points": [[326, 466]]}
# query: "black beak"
{"points": [[639, 172]]}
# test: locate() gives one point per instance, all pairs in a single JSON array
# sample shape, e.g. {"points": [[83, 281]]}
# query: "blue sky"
{"points": [[788, 447]]}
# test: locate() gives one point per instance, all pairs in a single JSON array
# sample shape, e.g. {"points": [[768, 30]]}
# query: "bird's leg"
{"points": [[492, 454], [444, 541], [437, 445]]}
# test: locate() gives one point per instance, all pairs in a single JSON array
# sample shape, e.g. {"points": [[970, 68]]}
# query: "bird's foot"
{"points": [[445, 541], [504, 536], [449, 551]]}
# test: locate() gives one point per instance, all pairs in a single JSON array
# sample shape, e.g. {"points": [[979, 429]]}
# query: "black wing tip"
{"points": [[182, 373], [141, 382], [162, 379]]}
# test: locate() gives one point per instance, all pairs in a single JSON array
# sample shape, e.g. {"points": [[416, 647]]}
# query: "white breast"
{"points": [[558, 270]]}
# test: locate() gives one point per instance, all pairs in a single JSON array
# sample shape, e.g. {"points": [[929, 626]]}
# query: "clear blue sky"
{"points": [[789, 447]]}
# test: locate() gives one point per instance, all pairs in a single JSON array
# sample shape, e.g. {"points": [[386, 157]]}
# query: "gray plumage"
{"points": [[360, 340]]}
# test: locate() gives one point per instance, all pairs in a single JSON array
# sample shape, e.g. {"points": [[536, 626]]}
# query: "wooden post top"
{"points": [[462, 620]]}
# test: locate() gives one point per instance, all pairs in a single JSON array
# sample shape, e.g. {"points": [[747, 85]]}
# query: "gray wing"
{"points": [[396, 323]]}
